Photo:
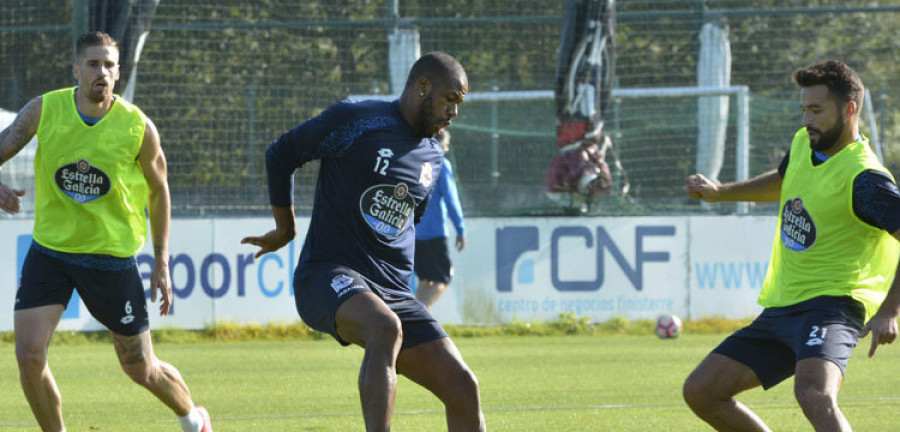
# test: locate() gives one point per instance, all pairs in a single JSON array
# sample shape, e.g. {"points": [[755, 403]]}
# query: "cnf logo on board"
{"points": [[427, 174], [387, 208], [81, 181], [798, 231]]}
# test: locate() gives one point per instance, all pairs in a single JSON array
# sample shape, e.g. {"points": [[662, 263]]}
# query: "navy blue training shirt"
{"points": [[375, 176], [876, 199]]}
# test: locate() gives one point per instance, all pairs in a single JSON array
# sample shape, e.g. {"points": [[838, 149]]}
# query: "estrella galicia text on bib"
{"points": [[798, 230], [387, 208], [81, 181]]}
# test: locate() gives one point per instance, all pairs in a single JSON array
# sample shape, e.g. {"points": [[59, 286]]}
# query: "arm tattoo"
{"points": [[159, 250], [14, 138]]}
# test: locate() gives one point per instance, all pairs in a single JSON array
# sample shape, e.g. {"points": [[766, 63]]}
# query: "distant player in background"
{"points": [[432, 264], [98, 169], [379, 163], [829, 280]]}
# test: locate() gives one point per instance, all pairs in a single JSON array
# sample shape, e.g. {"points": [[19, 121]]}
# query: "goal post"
{"points": [[740, 92]]}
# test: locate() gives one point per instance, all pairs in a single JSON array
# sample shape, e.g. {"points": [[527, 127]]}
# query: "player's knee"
{"points": [[139, 369], [813, 399], [696, 393], [31, 358], [386, 329], [464, 388]]}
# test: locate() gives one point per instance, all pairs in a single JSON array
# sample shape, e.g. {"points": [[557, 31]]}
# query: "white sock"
{"points": [[192, 422]]}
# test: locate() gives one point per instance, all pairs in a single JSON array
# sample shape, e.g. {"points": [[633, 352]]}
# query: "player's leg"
{"points": [[140, 363], [434, 269], [752, 356], [824, 340], [365, 320], [40, 301], [116, 298], [710, 389], [438, 366], [816, 386], [33, 329], [428, 291]]}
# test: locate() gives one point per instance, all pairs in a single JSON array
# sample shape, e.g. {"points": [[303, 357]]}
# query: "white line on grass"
{"points": [[859, 401]]}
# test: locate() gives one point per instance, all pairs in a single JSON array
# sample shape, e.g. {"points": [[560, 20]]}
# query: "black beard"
{"points": [[828, 138], [426, 114]]}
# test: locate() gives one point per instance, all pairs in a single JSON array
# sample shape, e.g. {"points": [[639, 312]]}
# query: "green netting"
{"points": [[223, 78]]}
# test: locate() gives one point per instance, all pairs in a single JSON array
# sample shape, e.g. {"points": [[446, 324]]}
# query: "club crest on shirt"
{"points": [[426, 175], [798, 230], [81, 181], [388, 209], [340, 282]]}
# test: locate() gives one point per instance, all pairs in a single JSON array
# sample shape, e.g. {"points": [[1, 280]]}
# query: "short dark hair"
{"points": [[842, 81], [435, 66], [92, 39]]}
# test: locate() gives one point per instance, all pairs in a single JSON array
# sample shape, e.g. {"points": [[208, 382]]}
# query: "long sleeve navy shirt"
{"points": [[375, 176]]}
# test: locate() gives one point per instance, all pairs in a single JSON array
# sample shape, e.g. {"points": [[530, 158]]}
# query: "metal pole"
{"points": [[80, 20], [14, 94], [251, 135], [742, 156], [882, 112], [495, 138]]}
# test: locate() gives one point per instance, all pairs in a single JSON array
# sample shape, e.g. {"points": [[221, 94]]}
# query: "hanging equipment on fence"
{"points": [[580, 172]]}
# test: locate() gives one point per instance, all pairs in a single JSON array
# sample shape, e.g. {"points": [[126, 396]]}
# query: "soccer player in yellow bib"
{"points": [[831, 277], [98, 169]]}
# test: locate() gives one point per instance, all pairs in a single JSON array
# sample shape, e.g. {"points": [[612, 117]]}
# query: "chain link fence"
{"points": [[222, 79]]}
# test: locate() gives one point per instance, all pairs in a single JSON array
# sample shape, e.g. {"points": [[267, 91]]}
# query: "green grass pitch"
{"points": [[528, 383]]}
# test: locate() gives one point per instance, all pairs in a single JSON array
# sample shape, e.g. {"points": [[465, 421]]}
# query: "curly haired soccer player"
{"points": [[830, 276], [98, 168], [379, 163]]}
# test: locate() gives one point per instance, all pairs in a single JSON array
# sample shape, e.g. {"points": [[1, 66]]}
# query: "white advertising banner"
{"points": [[214, 277], [729, 259], [526, 269], [534, 269]]}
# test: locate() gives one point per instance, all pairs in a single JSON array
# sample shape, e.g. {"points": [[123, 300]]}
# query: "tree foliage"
{"points": [[223, 78]]}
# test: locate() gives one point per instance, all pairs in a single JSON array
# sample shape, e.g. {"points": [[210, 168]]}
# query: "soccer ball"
{"points": [[668, 326]]}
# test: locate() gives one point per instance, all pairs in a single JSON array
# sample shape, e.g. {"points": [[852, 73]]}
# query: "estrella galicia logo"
{"points": [[387, 208], [798, 231], [81, 181]]}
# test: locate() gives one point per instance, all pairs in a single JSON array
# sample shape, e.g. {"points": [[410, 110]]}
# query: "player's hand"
{"points": [[699, 187], [9, 199], [884, 330], [159, 283], [460, 243], [268, 242]]}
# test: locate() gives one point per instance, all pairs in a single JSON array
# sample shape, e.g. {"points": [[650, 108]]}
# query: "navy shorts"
{"points": [[114, 297], [824, 327], [320, 289], [432, 260]]}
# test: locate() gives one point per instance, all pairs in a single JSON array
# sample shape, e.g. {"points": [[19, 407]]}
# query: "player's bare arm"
{"points": [[153, 165], [12, 140], [764, 187], [883, 324], [285, 231]]}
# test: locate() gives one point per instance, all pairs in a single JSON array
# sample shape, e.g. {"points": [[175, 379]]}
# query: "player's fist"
{"points": [[9, 199], [699, 187]]}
